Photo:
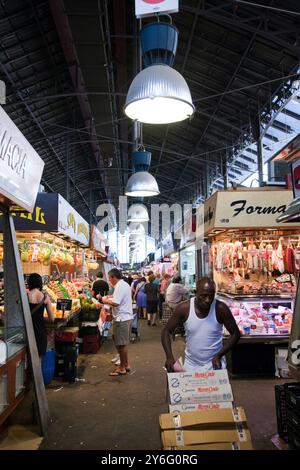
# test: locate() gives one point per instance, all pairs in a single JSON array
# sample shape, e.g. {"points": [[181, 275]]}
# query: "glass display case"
{"points": [[13, 367], [261, 317]]}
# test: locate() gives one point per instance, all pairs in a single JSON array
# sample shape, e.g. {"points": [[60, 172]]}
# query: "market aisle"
{"points": [[122, 413], [112, 412]]}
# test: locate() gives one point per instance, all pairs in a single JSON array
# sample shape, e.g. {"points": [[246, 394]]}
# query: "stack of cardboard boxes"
{"points": [[202, 415]]}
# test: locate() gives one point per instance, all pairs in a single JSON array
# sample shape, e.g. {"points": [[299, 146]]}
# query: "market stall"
{"points": [[51, 240], [255, 262], [292, 215], [21, 170]]}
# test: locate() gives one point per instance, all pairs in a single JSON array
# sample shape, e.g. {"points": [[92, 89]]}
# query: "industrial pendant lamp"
{"points": [[159, 94], [137, 213], [141, 183]]}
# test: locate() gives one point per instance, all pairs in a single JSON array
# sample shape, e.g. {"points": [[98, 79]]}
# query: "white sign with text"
{"points": [[21, 168]]}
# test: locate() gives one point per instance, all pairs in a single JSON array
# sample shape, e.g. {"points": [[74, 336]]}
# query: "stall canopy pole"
{"points": [[18, 313]]}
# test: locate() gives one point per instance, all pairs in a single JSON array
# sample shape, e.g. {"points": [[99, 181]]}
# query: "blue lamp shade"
{"points": [[159, 43], [142, 184], [159, 95]]}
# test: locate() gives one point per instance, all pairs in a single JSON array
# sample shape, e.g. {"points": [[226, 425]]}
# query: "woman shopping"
{"points": [[38, 301], [151, 289], [141, 298]]}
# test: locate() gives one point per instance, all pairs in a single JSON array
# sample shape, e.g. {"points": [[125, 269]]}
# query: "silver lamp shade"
{"points": [[137, 213], [159, 95], [141, 184]]}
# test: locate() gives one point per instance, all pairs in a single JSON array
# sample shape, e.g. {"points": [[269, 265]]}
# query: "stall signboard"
{"points": [[43, 217], [71, 224], [152, 7], [98, 240], [21, 167], [245, 209]]}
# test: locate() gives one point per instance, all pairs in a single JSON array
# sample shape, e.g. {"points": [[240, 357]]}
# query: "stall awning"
{"points": [[52, 213]]}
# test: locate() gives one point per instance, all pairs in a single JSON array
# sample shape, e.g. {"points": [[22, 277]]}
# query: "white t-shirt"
{"points": [[122, 297], [175, 292]]}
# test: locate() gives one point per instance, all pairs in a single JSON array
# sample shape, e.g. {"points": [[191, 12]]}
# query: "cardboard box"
{"points": [[216, 446], [200, 407], [198, 379], [202, 394], [205, 418], [192, 437], [204, 427]]}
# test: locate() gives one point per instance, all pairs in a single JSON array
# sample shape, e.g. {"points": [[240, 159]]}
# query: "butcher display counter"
{"points": [[265, 324]]}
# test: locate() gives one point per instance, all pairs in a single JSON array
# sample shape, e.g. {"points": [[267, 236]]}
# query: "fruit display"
{"points": [[71, 289], [88, 304], [47, 253], [81, 284]]}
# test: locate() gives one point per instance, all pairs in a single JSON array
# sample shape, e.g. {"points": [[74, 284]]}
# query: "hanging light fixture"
{"points": [[141, 183], [159, 94], [137, 213]]}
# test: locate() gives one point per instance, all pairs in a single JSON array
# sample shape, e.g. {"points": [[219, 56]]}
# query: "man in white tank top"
{"points": [[203, 318]]}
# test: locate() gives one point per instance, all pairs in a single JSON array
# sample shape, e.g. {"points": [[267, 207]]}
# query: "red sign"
{"points": [[296, 178], [152, 7]]}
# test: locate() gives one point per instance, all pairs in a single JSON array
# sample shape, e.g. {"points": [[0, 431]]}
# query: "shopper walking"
{"points": [[204, 318], [141, 298], [175, 292], [151, 289], [38, 301], [121, 301], [162, 292], [99, 287]]}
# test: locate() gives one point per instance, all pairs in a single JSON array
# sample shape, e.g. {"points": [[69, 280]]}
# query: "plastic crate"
{"points": [[88, 330], [293, 395], [281, 411], [66, 335], [294, 438], [90, 315], [293, 419], [90, 348], [91, 339]]}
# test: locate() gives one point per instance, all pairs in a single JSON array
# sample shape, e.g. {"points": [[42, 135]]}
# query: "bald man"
{"points": [[203, 318]]}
